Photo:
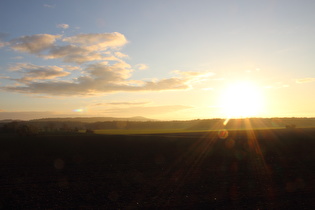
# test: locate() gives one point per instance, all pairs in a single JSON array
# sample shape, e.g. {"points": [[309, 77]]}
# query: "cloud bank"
{"points": [[100, 78], [33, 73], [34, 44], [101, 69]]}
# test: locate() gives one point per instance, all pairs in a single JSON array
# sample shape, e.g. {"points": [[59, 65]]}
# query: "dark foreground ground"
{"points": [[268, 169]]}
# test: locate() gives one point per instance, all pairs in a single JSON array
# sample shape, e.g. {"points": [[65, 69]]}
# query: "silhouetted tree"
{"points": [[11, 127], [89, 131], [51, 126], [27, 130], [291, 126]]}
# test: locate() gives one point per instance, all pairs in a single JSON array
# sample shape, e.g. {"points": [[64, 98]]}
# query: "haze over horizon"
{"points": [[165, 60]]}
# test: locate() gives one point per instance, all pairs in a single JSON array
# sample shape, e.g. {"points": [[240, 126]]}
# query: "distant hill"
{"points": [[8, 121], [139, 123], [92, 119]]}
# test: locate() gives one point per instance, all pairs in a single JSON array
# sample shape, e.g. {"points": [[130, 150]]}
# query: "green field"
{"points": [[149, 131], [159, 131]]}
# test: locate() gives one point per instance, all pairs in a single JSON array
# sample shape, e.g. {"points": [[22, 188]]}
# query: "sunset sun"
{"points": [[241, 99]]}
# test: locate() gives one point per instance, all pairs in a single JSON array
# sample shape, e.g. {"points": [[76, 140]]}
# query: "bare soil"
{"points": [[261, 169]]}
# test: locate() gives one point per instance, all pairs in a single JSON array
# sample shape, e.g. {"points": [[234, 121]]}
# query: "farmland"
{"points": [[265, 169]]}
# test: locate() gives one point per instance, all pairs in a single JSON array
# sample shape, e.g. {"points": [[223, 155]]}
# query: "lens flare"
{"points": [[223, 134], [79, 110]]}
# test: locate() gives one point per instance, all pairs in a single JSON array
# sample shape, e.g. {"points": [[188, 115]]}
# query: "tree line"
{"points": [[29, 128]]}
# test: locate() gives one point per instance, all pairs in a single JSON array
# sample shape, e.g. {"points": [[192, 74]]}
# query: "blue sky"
{"points": [[159, 59]]}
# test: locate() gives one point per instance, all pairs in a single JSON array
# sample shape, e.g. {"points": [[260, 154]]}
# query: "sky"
{"points": [[166, 59]]}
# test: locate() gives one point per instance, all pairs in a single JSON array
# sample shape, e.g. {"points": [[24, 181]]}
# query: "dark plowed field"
{"points": [[267, 169]]}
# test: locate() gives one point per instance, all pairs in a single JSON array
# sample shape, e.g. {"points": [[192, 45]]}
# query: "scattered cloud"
{"points": [[142, 66], [17, 58], [18, 66], [121, 103], [78, 49], [43, 74], [33, 72], [34, 44], [121, 55], [103, 71], [71, 68], [305, 80], [119, 111], [194, 73], [98, 42], [73, 54], [194, 77], [49, 6], [3, 37], [128, 103], [4, 77], [166, 84], [3, 44], [63, 26], [98, 78]]}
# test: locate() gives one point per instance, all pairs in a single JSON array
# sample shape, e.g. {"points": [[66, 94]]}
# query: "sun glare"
{"points": [[241, 99]]}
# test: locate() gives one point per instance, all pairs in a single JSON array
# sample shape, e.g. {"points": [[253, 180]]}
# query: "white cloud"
{"points": [[121, 103], [49, 6], [166, 84], [194, 73], [3, 44], [74, 54], [34, 44], [142, 66], [17, 66], [121, 55], [71, 68], [101, 73], [63, 26], [32, 72], [80, 49], [4, 77], [113, 74], [194, 77], [305, 80], [98, 42], [98, 78]]}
